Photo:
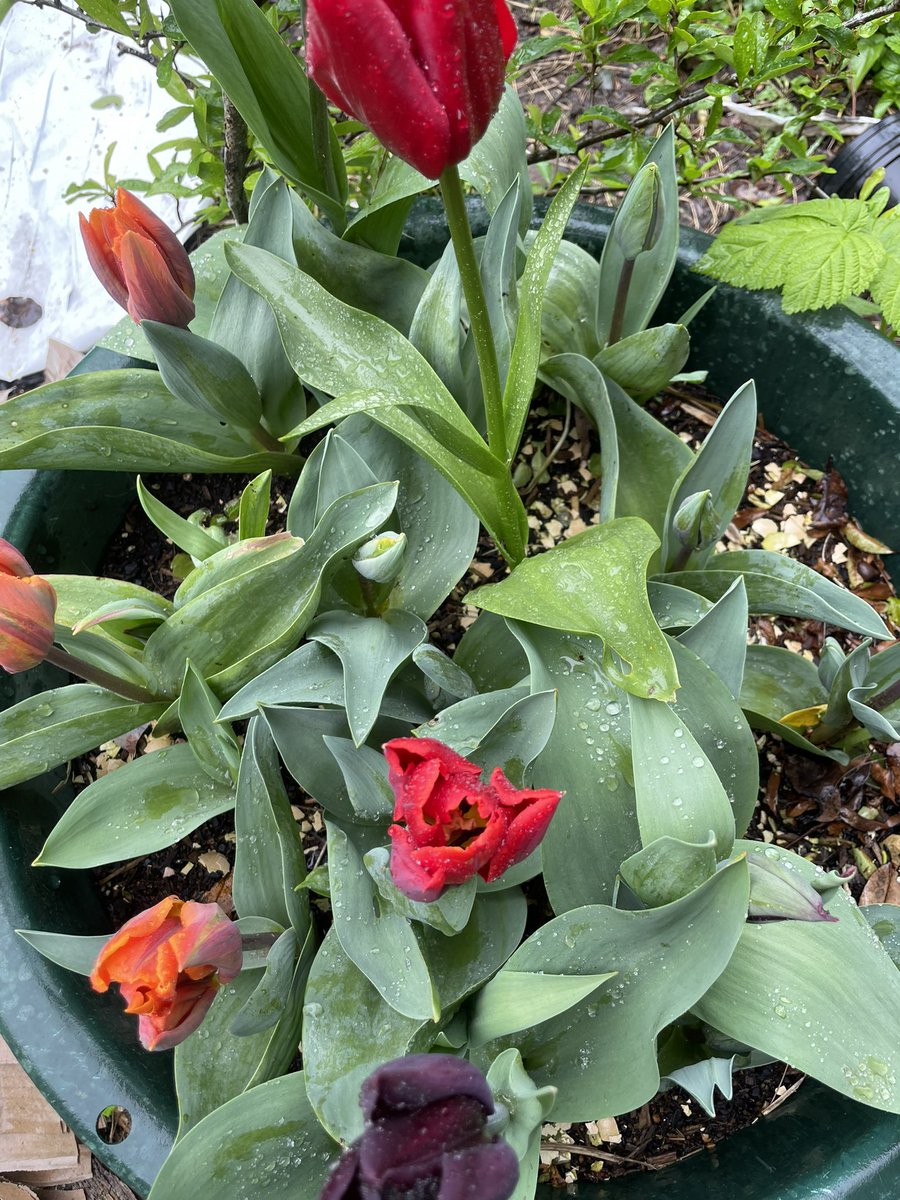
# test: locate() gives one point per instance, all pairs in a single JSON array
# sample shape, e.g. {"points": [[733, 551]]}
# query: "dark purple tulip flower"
{"points": [[424, 1137]]}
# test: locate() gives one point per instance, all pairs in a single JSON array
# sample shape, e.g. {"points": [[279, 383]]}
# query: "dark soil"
{"points": [[839, 817]]}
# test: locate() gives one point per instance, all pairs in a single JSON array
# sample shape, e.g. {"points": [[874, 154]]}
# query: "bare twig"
{"points": [[875, 14]]}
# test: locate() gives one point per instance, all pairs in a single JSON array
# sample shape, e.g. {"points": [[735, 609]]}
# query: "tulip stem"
{"points": [[479, 321], [263, 438], [90, 673]]}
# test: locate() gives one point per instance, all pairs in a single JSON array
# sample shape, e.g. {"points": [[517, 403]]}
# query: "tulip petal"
{"points": [[361, 57], [124, 955], [103, 261], [153, 294], [27, 609], [155, 1037], [341, 1183], [12, 562], [509, 34], [417, 1139], [410, 1083], [134, 214], [489, 1171], [207, 936]]}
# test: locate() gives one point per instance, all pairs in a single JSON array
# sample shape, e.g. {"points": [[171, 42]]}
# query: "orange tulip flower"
{"points": [[27, 609], [140, 261], [169, 962]]}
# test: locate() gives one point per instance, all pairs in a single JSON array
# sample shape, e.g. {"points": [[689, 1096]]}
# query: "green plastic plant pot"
{"points": [[828, 384]]}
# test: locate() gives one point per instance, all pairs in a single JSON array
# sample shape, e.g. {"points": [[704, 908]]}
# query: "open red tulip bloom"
{"points": [[27, 609], [169, 962], [425, 76], [456, 826], [424, 1137], [140, 261]]}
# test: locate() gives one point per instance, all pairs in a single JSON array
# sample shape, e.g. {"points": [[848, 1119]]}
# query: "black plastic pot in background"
{"points": [[878, 147], [829, 385]]}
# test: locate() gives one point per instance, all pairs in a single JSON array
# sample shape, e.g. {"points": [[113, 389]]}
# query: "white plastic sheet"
{"points": [[51, 72]]}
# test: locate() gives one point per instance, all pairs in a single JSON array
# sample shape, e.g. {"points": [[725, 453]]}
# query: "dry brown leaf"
{"points": [[883, 887]]}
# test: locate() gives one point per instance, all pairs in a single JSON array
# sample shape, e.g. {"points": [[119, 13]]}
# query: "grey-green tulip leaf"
{"points": [[268, 1000], [125, 420], [776, 683], [214, 744], [384, 946], [365, 774], [601, 1053], [253, 510], [677, 791], [269, 859], [644, 363], [595, 584], [75, 953], [149, 803], [515, 1000], [667, 869], [720, 637], [787, 991], [781, 585], [370, 649], [52, 727], [449, 913], [239, 1143]]}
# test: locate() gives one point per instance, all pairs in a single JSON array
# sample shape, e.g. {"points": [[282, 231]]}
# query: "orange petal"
{"points": [[100, 256], [153, 292], [134, 214], [27, 609]]}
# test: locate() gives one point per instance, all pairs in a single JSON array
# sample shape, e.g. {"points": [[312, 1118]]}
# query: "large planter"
{"points": [[829, 385]]}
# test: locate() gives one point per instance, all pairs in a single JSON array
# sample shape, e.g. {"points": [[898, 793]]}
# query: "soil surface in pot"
{"points": [[839, 817]]}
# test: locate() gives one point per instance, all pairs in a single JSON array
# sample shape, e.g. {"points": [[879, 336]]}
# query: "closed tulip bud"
{"points": [[381, 558], [425, 77], [169, 962], [27, 611], [639, 219], [694, 524], [425, 1137], [780, 893], [140, 261]]}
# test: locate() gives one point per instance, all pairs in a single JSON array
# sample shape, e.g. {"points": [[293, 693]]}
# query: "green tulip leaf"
{"points": [[236, 629], [371, 649], [185, 534], [52, 727], [490, 654], [719, 637], [451, 911], [443, 673], [676, 607], [780, 585], [125, 420], [776, 683], [268, 1000], [436, 330], [643, 363], [253, 510], [516, 1000], [81, 596], [526, 350], [595, 584], [365, 773], [497, 159], [384, 946], [111, 656], [333, 469], [720, 467], [571, 292], [266, 1141], [528, 1107], [787, 991], [576, 378], [268, 86], [269, 862], [78, 954], [214, 745], [677, 791], [601, 1052], [148, 804], [667, 869], [205, 375], [883, 919]]}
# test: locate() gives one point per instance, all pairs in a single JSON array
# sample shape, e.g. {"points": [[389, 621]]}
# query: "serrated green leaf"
{"points": [[885, 287]]}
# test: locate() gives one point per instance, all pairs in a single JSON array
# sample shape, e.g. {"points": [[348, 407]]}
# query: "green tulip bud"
{"points": [[695, 524], [639, 220], [777, 892], [381, 558]]}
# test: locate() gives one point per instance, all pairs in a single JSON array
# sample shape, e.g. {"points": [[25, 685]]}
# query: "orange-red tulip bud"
{"points": [[27, 609], [140, 261], [169, 962]]}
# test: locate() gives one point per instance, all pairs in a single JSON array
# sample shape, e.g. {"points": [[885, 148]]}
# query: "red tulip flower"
{"points": [[140, 261], [169, 962], [27, 609], [454, 825], [426, 76], [424, 1137]]}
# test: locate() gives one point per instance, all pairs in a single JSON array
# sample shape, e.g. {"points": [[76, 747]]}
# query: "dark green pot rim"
{"points": [[827, 383]]}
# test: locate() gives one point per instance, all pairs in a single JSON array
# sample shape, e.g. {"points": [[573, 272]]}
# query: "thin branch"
{"points": [[235, 157], [863, 18], [608, 133]]}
